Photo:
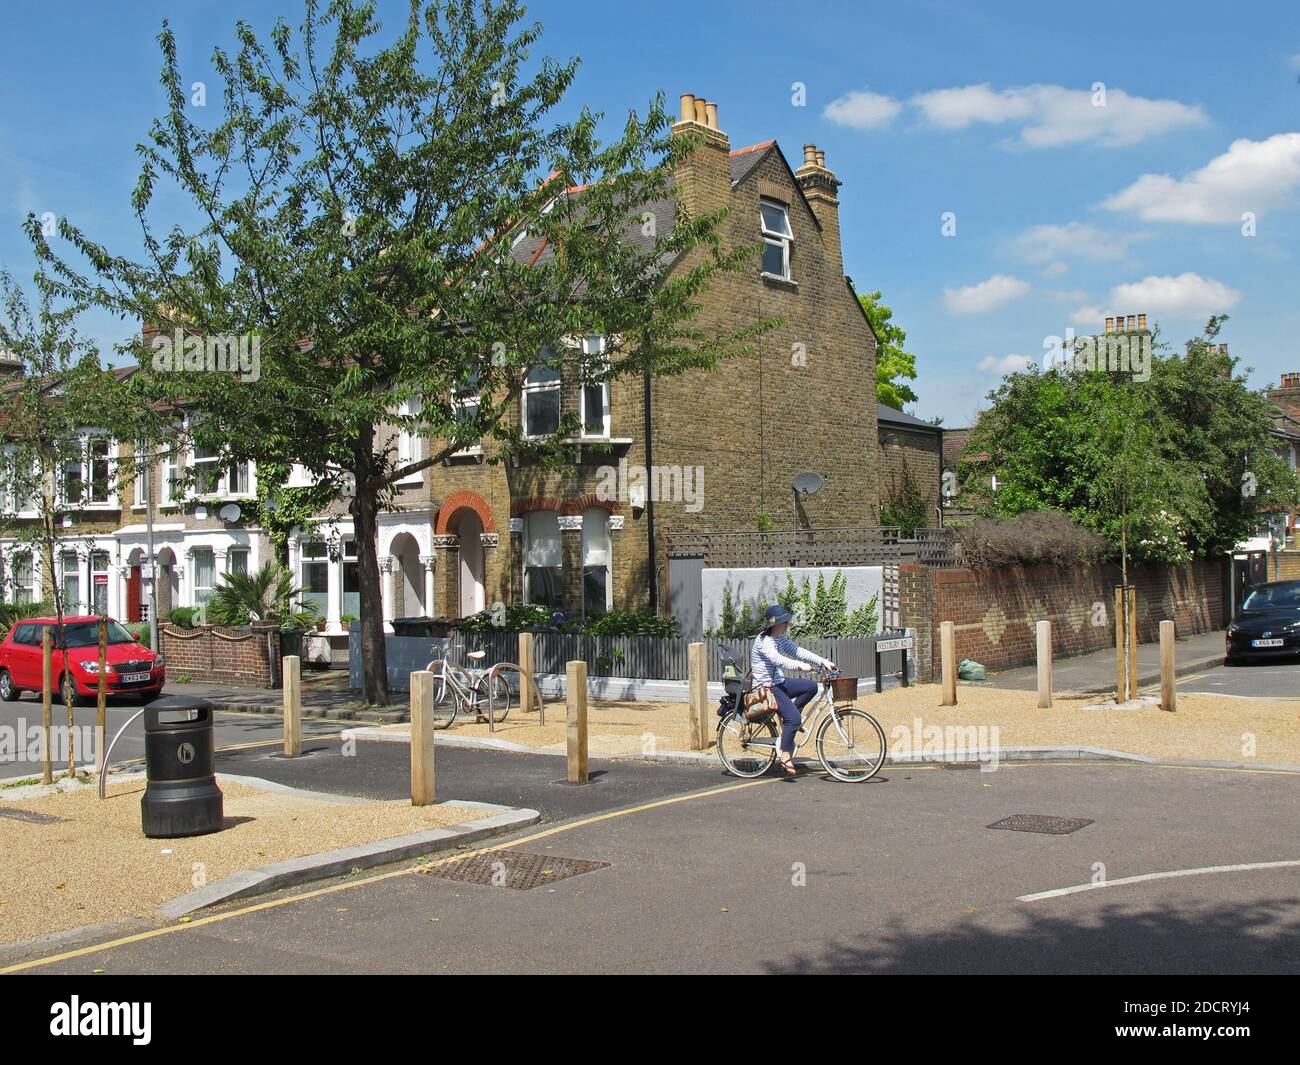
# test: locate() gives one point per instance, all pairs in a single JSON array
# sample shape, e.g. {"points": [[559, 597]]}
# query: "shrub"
{"points": [[632, 623], [818, 613], [12, 613], [183, 616], [524, 617], [138, 629], [1037, 537]]}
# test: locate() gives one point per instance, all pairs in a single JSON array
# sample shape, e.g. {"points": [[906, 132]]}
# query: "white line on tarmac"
{"points": [[1247, 868]]}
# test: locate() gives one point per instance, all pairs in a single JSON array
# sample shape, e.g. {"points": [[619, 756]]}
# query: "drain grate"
{"points": [[1046, 823], [513, 869], [29, 816]]}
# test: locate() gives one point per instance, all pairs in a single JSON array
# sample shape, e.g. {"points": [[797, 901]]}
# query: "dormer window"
{"points": [[774, 221]]}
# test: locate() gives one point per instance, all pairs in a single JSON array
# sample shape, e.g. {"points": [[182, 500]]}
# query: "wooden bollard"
{"points": [[697, 689], [1044, 665], [1132, 643], [422, 732], [575, 693], [1121, 673], [292, 706], [1168, 693], [47, 768], [948, 661], [526, 672]]}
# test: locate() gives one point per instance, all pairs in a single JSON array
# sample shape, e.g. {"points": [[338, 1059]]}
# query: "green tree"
{"points": [[894, 365], [1174, 467], [356, 205]]}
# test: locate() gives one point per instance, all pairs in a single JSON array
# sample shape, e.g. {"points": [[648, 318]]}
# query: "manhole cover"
{"points": [[513, 869], [29, 816], [1053, 826]]}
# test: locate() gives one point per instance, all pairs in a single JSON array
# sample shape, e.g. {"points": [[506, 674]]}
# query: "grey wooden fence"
{"points": [[633, 657]]}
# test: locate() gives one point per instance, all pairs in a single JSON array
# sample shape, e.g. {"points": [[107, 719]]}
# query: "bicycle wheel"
{"points": [[500, 697], [747, 748], [445, 700], [851, 745]]}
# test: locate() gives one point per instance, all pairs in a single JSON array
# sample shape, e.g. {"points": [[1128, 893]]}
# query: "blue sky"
{"points": [[1065, 211]]}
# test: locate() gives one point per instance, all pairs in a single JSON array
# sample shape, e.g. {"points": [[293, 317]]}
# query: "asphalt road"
{"points": [[1258, 679], [900, 874], [20, 725]]}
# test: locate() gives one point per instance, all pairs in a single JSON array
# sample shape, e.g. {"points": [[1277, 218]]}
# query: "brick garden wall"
{"points": [[214, 654], [996, 611]]}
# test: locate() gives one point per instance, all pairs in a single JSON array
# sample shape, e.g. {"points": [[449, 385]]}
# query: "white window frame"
{"points": [[776, 238], [88, 471], [595, 345], [409, 445], [197, 589], [527, 546], [238, 549], [601, 515], [462, 399], [70, 606], [223, 486], [9, 493], [21, 593], [532, 388]]}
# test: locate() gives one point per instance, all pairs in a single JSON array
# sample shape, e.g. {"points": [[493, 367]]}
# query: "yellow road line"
{"points": [[272, 904]]}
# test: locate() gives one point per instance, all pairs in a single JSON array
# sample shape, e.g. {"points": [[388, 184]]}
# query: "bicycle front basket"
{"points": [[844, 689]]}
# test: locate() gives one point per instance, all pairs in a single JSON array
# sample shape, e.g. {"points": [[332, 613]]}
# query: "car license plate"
{"points": [[135, 678], [1265, 643]]}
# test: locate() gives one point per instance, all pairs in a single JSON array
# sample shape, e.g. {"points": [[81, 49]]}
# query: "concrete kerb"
{"points": [[1146, 680], [293, 871], [1009, 754]]}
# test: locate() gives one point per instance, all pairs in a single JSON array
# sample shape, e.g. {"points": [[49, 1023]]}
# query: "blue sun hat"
{"points": [[775, 616]]}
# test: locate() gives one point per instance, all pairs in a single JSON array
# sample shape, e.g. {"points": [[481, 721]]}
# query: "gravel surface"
{"points": [[97, 866], [1207, 727]]}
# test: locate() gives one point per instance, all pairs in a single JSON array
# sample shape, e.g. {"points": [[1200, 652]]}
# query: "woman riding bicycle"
{"points": [[773, 653]]}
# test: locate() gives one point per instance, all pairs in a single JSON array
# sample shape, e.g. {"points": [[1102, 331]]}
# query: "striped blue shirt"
{"points": [[771, 656]]}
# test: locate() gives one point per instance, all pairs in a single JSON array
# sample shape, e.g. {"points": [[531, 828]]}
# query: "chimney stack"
{"points": [[1110, 325], [703, 178], [821, 188]]}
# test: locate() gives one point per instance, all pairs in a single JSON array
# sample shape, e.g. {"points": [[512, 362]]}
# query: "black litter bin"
{"points": [[181, 797]]}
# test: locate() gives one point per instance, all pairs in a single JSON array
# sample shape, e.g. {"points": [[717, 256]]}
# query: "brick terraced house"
{"points": [[709, 450]]}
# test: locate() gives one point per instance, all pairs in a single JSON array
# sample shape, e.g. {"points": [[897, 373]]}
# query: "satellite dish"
{"points": [[807, 484], [200, 512], [230, 512]]}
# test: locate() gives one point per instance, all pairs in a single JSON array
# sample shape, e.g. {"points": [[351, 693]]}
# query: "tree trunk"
{"points": [[374, 659]]}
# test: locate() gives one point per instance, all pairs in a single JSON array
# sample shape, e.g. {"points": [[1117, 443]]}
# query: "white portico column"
{"points": [[428, 562], [334, 595], [387, 564]]}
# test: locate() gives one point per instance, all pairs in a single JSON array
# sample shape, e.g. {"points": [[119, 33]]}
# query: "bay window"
{"points": [[205, 574], [314, 577], [22, 578], [70, 581]]}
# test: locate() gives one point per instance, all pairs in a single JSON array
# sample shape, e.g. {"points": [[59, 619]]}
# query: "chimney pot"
{"points": [[1142, 322], [701, 112], [1110, 325], [1132, 322], [1223, 349], [688, 107], [711, 115], [809, 154], [821, 159]]}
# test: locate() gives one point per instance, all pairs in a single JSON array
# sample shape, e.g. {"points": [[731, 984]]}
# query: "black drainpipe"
{"points": [[650, 503]]}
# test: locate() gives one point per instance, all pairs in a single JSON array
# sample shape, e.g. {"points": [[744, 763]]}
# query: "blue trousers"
{"points": [[791, 697]]}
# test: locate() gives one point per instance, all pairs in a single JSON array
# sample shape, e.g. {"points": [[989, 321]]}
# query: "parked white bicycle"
{"points": [[459, 690]]}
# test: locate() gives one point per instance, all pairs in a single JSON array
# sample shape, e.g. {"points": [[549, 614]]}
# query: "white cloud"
{"points": [[1055, 269], [1074, 240], [1088, 317], [1052, 115], [1005, 365], [1186, 294], [1294, 61], [1249, 176], [862, 110], [986, 296]]}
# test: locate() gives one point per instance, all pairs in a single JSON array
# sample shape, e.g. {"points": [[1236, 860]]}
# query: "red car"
{"points": [[133, 669]]}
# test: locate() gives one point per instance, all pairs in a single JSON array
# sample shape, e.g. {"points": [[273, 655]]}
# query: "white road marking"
{"points": [[1249, 867]]}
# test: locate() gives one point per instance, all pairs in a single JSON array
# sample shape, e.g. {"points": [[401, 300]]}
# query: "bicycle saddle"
{"points": [[476, 655]]}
